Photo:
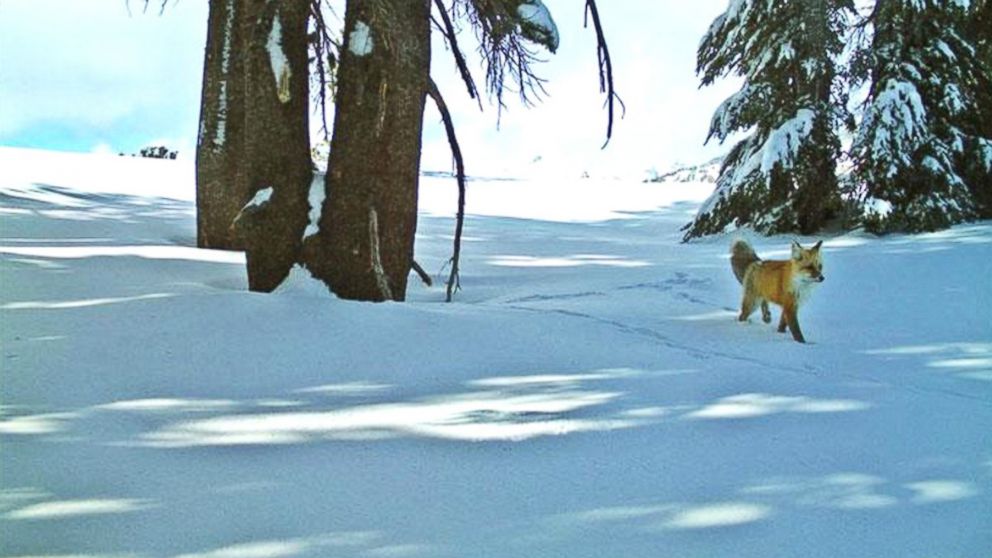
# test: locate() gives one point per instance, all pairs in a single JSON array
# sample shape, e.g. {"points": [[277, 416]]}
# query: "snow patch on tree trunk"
{"points": [[360, 41], [380, 274], [316, 197], [220, 134], [256, 203], [278, 60], [261, 198]]}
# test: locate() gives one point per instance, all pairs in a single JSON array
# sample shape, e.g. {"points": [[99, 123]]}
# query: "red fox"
{"points": [[785, 282]]}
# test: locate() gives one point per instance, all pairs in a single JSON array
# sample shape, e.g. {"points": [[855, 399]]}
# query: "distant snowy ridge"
{"points": [[705, 172]]}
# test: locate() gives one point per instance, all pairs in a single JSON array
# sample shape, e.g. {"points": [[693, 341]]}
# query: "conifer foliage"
{"points": [[921, 156], [781, 177], [923, 147]]}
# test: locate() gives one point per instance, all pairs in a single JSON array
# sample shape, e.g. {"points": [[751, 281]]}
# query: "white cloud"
{"points": [[75, 508], [726, 514]]}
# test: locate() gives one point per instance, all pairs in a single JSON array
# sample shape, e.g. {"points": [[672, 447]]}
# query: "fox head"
{"points": [[807, 262]]}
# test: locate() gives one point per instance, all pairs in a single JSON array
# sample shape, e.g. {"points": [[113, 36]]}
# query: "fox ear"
{"points": [[816, 247], [797, 251]]}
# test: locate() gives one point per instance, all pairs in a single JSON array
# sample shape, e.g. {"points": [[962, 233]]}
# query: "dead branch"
{"points": [[422, 274], [161, 10], [605, 68], [448, 30], [456, 153], [324, 48]]}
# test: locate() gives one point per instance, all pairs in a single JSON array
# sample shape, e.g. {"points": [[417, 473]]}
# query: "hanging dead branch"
{"points": [[161, 8], [421, 273], [456, 153], [324, 51], [605, 68], [504, 36], [451, 36]]}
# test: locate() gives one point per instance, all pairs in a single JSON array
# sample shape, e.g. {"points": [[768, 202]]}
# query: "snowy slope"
{"points": [[589, 394], [706, 172]]}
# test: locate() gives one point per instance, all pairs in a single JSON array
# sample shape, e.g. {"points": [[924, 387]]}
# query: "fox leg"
{"points": [[747, 308], [766, 314], [789, 315]]}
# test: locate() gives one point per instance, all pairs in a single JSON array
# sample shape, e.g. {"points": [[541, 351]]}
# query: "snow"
{"points": [[221, 135], [984, 151], [315, 198], [537, 19], [895, 124], [260, 198], [727, 118], [945, 49], [782, 146], [953, 100], [278, 60], [382, 281], [882, 208], [758, 155], [360, 41], [589, 393]]}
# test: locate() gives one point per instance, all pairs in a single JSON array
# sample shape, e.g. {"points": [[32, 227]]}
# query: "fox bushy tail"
{"points": [[741, 257]]}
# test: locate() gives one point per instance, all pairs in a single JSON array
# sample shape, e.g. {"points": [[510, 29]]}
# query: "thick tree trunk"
{"points": [[277, 140], [222, 187], [364, 247]]}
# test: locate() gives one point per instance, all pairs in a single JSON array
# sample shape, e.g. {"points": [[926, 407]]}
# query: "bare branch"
{"points": [[144, 10], [325, 59], [448, 30], [422, 274], [605, 68], [456, 153]]}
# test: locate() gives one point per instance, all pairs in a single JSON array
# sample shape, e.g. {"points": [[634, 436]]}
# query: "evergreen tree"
{"points": [[249, 195], [980, 27], [363, 248], [362, 244], [781, 177], [922, 154], [222, 185], [276, 138], [253, 146], [978, 165]]}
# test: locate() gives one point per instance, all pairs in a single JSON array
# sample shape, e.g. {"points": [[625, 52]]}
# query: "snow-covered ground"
{"points": [[589, 394]]}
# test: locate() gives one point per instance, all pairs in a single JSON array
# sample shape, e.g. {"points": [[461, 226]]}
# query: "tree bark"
{"points": [[222, 187], [364, 247], [277, 138]]}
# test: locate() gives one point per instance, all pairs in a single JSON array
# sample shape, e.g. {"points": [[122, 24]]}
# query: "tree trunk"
{"points": [[221, 183], [364, 247], [277, 138]]}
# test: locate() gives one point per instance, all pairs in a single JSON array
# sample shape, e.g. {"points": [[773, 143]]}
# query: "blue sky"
{"points": [[90, 76], [81, 75]]}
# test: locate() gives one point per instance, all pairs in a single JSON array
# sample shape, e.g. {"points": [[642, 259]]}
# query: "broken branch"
{"points": [[605, 68], [456, 153]]}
